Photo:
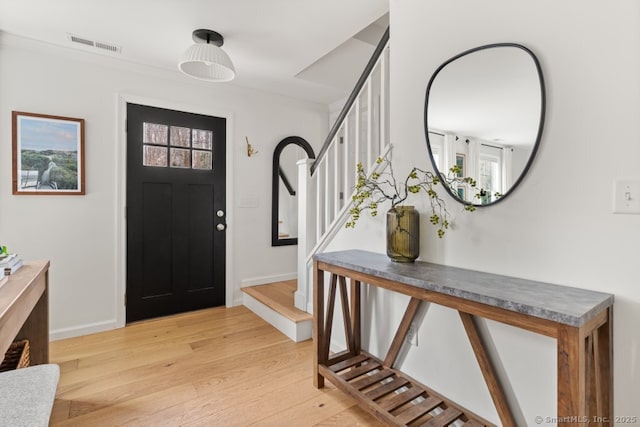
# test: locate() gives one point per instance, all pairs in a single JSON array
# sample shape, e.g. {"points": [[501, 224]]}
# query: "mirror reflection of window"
{"points": [[490, 168], [461, 164], [492, 165], [437, 144]]}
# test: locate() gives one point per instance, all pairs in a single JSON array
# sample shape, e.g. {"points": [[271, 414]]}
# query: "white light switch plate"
{"points": [[626, 196]]}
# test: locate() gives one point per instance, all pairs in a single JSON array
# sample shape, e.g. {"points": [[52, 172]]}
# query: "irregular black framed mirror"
{"points": [[284, 201], [484, 112]]}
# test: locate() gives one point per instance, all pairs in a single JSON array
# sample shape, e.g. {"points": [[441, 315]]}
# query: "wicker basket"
{"points": [[16, 357]]}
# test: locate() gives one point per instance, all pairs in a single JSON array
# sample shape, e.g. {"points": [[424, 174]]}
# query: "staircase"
{"points": [[274, 303], [325, 187], [326, 184]]}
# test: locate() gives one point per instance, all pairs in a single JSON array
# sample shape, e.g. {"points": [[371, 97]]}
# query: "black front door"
{"points": [[175, 212]]}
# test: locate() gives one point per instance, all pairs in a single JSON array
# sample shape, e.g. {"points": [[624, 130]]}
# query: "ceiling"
{"points": [[313, 50]]}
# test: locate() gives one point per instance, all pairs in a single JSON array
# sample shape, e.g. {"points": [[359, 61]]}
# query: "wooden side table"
{"points": [[24, 310], [580, 321]]}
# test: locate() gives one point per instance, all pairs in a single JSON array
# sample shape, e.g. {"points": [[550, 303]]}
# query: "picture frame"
{"points": [[47, 154]]}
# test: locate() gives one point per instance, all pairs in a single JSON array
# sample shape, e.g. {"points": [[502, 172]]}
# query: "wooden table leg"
{"points": [[36, 326], [603, 375], [487, 367], [401, 333], [572, 406], [356, 316], [585, 373], [318, 326]]}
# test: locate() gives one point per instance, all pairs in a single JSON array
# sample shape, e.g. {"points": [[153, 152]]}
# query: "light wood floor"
{"points": [[217, 367]]}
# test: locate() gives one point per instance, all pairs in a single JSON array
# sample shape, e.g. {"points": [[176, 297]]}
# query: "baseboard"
{"points": [[77, 331], [294, 331], [254, 281]]}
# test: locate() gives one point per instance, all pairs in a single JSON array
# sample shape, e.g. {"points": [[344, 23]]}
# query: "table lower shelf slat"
{"points": [[393, 397], [387, 388]]}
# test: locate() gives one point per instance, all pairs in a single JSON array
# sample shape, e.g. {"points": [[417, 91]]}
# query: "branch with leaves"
{"points": [[371, 191]]}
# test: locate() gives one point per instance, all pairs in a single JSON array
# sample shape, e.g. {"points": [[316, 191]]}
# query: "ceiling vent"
{"points": [[95, 44]]}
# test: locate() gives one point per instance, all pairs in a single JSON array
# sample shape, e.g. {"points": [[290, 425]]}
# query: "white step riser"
{"points": [[297, 332]]}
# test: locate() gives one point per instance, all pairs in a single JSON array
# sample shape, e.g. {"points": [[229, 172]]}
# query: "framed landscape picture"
{"points": [[48, 154]]}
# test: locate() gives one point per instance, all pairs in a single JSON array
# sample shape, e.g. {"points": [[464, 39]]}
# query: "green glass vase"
{"points": [[403, 233]]}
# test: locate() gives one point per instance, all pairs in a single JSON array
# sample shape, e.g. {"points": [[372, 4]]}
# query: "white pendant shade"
{"points": [[207, 61]]}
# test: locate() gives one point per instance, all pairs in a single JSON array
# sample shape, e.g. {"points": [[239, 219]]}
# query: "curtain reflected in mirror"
{"points": [[284, 214], [484, 113]]}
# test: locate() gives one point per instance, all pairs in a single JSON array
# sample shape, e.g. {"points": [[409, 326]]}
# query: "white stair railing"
{"points": [[326, 185]]}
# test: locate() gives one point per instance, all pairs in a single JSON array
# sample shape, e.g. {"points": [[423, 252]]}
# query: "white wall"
{"points": [[79, 234], [558, 225]]}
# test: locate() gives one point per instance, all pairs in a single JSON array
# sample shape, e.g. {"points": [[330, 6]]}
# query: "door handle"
{"points": [[221, 227]]}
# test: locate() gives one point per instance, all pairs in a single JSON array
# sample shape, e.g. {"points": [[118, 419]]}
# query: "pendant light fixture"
{"points": [[205, 60]]}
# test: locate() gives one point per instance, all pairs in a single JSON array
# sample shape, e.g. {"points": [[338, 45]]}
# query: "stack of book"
{"points": [[10, 263]]}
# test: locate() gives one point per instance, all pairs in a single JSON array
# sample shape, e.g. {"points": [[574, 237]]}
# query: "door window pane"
{"points": [[180, 158], [180, 136], [154, 156], [154, 133], [196, 154], [202, 159], [202, 139]]}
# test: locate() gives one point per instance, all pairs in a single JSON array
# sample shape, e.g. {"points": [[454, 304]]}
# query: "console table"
{"points": [[580, 321], [24, 310]]}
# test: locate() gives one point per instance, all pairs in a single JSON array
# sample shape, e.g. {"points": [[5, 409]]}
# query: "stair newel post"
{"points": [[306, 233]]}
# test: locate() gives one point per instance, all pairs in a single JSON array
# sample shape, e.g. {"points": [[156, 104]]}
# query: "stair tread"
{"points": [[279, 297]]}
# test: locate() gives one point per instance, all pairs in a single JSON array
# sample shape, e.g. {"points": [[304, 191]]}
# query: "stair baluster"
{"points": [[326, 184]]}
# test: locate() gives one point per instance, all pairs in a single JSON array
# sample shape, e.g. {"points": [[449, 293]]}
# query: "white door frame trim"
{"points": [[121, 193]]}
